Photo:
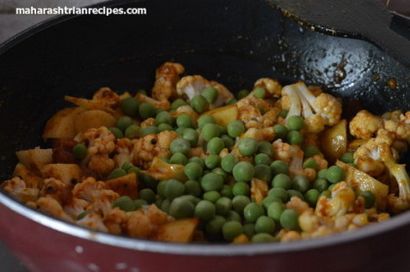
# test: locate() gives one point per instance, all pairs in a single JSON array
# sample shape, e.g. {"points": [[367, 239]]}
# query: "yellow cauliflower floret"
{"points": [[52, 207], [102, 165], [364, 125], [251, 110], [398, 123], [272, 86], [340, 202], [93, 221], [100, 140], [17, 188], [166, 78]]}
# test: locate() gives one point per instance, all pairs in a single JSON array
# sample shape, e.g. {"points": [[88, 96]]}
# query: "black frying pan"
{"points": [[232, 41]]}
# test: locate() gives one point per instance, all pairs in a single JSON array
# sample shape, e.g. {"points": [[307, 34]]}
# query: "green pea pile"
{"points": [[217, 189]]}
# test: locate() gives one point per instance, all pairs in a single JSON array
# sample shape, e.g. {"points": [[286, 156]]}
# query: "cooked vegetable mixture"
{"points": [[194, 163]]}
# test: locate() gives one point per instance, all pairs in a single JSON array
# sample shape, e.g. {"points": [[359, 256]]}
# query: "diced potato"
{"points": [[36, 158], [125, 185], [66, 172], [224, 115], [180, 231], [31, 179], [161, 170], [334, 141], [93, 119], [363, 182], [260, 134], [61, 124], [259, 189]]}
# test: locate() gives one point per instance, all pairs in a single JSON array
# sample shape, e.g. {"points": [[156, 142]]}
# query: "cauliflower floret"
{"points": [[398, 123], [251, 111], [166, 78], [51, 206], [104, 99], [93, 221], [87, 188], [364, 125], [114, 220], [272, 86], [100, 140], [282, 151], [317, 111], [270, 118], [102, 165], [297, 204], [56, 189], [341, 201], [17, 188], [75, 206], [123, 151], [193, 85], [151, 146]]}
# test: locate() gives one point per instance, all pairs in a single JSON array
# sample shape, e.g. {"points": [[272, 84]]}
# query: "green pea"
{"points": [[185, 121], [262, 158], [310, 163], [243, 171], [242, 93], [127, 166], [116, 173], [164, 127], [347, 157], [263, 172], [282, 181], [227, 191], [275, 210], [198, 160], [220, 172], [263, 238], [199, 103], [265, 147], [310, 151], [178, 158], [214, 227], [117, 132], [233, 216], [270, 199], [191, 135], [235, 128], [326, 193], [205, 210], [259, 92], [164, 117], [231, 230], [312, 196], [129, 106], [134, 170], [231, 101], [148, 130], [295, 123], [228, 141], [132, 131], [210, 94], [369, 199], [240, 188], [147, 110], [148, 195], [239, 202], [322, 174], [193, 188], [173, 188], [181, 208], [320, 184], [279, 193], [212, 161], [252, 212], [215, 145], [123, 122], [248, 230], [210, 131], [289, 219], [139, 203], [248, 146], [193, 170], [264, 224], [279, 167], [228, 162], [146, 180], [283, 113], [212, 182], [295, 137], [178, 103], [300, 183], [212, 196], [180, 145], [81, 215], [223, 205], [205, 119], [165, 205], [280, 131], [80, 151], [335, 174], [296, 193], [125, 203]]}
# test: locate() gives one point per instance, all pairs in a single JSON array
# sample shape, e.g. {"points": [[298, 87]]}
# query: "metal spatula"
{"points": [[368, 19]]}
